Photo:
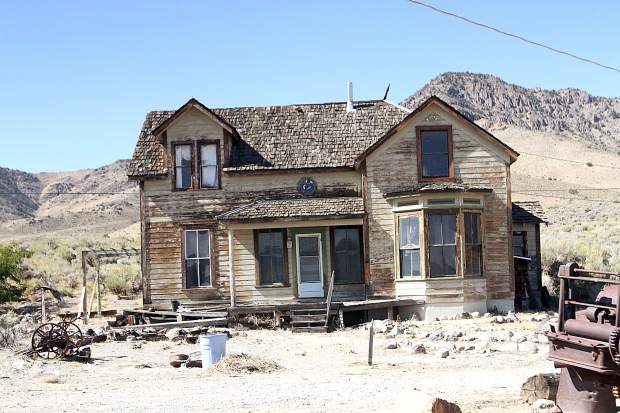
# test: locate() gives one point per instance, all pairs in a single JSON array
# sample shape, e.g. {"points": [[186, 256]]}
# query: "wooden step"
{"points": [[306, 322], [309, 311], [322, 329], [309, 317]]}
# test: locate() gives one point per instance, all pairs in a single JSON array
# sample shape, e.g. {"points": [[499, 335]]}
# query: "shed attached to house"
{"points": [[526, 219]]}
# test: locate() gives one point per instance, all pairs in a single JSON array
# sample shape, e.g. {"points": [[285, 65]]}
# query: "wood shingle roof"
{"points": [[282, 137], [524, 212], [292, 208]]}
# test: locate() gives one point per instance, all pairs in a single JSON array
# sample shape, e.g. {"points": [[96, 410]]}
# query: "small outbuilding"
{"points": [[526, 219]]}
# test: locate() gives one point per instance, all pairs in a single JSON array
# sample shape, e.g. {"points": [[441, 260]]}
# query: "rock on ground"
{"points": [[540, 386], [419, 402]]}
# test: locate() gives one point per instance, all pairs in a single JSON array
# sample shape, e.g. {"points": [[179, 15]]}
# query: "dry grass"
{"points": [[243, 363]]}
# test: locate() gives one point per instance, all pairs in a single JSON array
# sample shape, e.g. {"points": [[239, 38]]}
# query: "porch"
{"points": [[283, 252]]}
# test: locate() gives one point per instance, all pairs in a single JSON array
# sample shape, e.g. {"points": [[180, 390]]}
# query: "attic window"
{"points": [[183, 166], [434, 152]]}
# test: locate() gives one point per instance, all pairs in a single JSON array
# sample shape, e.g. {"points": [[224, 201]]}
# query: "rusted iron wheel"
{"points": [[74, 337], [49, 341]]}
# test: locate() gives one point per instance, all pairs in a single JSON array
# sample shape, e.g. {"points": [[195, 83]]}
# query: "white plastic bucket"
{"points": [[212, 348]]}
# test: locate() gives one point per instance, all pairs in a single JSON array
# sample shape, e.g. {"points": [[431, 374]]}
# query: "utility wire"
{"points": [[566, 190], [591, 164], [513, 35]]}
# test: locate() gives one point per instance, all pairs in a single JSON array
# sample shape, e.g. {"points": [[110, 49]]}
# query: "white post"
{"points": [[231, 269]]}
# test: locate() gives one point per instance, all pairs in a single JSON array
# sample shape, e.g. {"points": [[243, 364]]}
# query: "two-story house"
{"points": [[258, 206]]}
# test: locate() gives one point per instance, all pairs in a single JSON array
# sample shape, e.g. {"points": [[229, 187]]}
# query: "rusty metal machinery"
{"points": [[586, 342], [57, 340]]}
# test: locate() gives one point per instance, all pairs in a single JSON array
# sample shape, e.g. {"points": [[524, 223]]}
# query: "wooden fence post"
{"points": [[370, 341]]}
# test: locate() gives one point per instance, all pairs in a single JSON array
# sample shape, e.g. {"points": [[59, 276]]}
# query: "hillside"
{"points": [[579, 188], [84, 201], [493, 102]]}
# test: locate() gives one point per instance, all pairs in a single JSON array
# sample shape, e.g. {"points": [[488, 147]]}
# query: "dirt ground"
{"points": [[320, 373]]}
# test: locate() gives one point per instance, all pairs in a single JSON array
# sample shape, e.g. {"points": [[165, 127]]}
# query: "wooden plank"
{"points": [[180, 324]]}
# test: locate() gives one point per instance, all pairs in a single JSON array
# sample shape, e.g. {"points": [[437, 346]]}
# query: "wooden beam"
{"points": [[180, 324]]}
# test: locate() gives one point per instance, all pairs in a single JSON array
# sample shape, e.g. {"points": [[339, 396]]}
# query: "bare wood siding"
{"points": [[393, 166], [167, 212]]}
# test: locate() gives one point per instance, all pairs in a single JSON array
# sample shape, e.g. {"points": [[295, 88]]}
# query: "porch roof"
{"points": [[436, 187], [524, 212], [294, 208]]}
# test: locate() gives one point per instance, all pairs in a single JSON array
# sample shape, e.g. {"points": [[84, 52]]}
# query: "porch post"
{"points": [[231, 269]]}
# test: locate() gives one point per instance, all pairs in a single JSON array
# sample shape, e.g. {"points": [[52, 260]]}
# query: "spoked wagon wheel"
{"points": [[74, 337], [49, 341]]}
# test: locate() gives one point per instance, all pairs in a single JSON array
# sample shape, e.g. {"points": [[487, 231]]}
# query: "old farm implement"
{"points": [[586, 343], [58, 340]]}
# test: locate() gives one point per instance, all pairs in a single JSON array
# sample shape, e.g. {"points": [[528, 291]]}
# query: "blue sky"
{"points": [[77, 77]]}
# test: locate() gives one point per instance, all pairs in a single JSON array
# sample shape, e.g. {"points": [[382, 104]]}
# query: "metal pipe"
{"points": [[586, 329]]}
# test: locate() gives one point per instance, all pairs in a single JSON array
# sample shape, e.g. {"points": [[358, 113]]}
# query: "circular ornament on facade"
{"points": [[306, 186]]}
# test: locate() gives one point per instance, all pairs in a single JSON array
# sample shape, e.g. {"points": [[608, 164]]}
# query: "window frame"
{"points": [[285, 273], [465, 244], [457, 213], [212, 257], [196, 167], [419, 130], [332, 244], [175, 166], [523, 234], [421, 239], [218, 175]]}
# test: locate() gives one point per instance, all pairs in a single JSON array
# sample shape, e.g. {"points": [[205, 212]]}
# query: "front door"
{"points": [[309, 265]]}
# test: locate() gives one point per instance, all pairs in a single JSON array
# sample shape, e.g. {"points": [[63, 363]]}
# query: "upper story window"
{"points": [[209, 168], [434, 152], [183, 166], [196, 165]]}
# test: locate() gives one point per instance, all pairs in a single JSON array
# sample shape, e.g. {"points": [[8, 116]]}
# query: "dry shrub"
{"points": [[245, 364], [9, 329]]}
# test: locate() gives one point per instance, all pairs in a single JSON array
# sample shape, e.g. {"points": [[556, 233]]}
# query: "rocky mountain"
{"points": [[492, 102], [32, 203]]}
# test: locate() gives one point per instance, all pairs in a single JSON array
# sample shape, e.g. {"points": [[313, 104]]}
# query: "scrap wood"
{"points": [[180, 324]]}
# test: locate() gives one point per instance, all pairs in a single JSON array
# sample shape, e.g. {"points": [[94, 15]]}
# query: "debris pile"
{"points": [[154, 333], [445, 340]]}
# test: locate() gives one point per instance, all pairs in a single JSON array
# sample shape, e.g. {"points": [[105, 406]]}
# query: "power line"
{"points": [[590, 164], [570, 189], [566, 197], [516, 36]]}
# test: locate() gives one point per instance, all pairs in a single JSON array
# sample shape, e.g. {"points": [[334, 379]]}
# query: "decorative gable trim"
{"points": [[435, 100], [194, 103]]}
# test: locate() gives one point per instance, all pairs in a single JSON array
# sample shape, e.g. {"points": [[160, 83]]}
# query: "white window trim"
{"points": [[405, 203], [185, 258]]}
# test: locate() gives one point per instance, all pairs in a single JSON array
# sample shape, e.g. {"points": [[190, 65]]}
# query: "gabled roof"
{"points": [[194, 103], [280, 137], [295, 208], [434, 99], [524, 212]]}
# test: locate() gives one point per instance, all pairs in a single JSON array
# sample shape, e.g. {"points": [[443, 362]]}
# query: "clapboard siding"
{"points": [[393, 166], [167, 212]]}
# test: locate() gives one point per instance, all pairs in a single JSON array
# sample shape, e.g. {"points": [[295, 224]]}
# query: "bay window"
{"points": [[473, 244], [442, 244], [409, 246]]}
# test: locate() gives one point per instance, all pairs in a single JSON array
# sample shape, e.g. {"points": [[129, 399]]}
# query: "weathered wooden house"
{"points": [[257, 206]]}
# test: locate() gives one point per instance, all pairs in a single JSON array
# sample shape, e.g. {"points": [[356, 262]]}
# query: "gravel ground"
{"points": [[321, 373]]}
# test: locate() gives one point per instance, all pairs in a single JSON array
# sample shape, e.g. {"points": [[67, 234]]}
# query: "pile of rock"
{"points": [[152, 333]]}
